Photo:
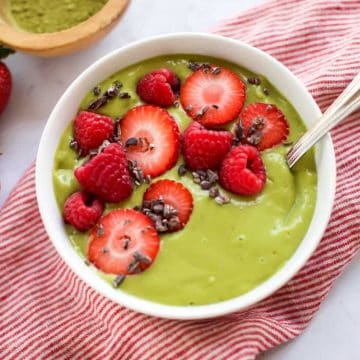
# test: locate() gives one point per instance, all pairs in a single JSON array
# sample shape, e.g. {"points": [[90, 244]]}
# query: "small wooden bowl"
{"points": [[62, 42]]}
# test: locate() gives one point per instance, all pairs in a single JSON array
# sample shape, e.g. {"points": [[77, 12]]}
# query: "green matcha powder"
{"points": [[47, 16]]}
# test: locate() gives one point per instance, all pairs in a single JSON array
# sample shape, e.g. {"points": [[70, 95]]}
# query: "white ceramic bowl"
{"points": [[193, 43]]}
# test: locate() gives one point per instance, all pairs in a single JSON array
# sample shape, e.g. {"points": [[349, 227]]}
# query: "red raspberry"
{"points": [[90, 130], [171, 78], [107, 175], [159, 87], [242, 171], [82, 210], [204, 149]]}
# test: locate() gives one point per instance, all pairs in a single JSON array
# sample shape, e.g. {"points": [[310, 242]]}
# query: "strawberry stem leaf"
{"points": [[5, 51]]}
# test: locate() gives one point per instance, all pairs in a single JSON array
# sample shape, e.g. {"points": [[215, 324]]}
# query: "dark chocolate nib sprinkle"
{"points": [[142, 258], [124, 95], [117, 130], [254, 80], [118, 280], [137, 174], [214, 192], [239, 133], [126, 243], [111, 92], [182, 170], [254, 138], [118, 84], [205, 185], [222, 199], [98, 103], [133, 141], [207, 181], [96, 91], [216, 70], [203, 111], [134, 267], [254, 132], [195, 66], [74, 144], [164, 216], [105, 250], [100, 230]]}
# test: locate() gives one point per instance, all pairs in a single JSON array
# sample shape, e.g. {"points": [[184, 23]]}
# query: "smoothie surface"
{"points": [[223, 251], [47, 16]]}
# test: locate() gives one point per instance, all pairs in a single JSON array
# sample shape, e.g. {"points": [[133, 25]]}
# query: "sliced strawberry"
{"points": [[263, 125], [174, 194], [123, 242], [152, 138], [213, 96]]}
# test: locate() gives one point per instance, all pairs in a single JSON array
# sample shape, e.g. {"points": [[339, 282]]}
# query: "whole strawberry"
{"points": [[5, 79]]}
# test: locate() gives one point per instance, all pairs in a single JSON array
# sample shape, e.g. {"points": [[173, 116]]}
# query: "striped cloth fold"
{"points": [[46, 312]]}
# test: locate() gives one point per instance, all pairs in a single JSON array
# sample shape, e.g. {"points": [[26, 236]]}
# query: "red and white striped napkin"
{"points": [[47, 312]]}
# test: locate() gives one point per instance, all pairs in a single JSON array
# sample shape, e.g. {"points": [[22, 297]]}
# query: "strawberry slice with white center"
{"points": [[263, 125], [123, 242], [213, 96], [152, 139], [174, 194]]}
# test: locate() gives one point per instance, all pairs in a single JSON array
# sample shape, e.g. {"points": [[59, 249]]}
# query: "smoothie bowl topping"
{"points": [[172, 181], [162, 179], [168, 164]]}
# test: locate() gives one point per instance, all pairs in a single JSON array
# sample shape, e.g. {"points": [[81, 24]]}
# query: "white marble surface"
{"points": [[334, 332]]}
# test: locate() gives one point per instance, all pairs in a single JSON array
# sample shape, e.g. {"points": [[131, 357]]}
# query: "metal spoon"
{"points": [[343, 106]]}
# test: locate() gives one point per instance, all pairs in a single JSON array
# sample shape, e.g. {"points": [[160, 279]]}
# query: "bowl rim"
{"points": [[35, 42], [326, 167]]}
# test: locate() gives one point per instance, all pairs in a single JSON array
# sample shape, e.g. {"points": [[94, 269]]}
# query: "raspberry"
{"points": [[159, 87], [204, 149], [171, 78], [242, 171], [107, 175], [82, 210], [90, 130]]}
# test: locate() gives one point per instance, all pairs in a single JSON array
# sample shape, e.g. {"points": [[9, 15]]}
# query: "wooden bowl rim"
{"points": [[17, 38]]}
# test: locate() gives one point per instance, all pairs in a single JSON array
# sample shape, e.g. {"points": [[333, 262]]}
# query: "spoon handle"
{"points": [[343, 106]]}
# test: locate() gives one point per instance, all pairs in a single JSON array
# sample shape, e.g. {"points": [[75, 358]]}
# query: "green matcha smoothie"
{"points": [[47, 16], [223, 251]]}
